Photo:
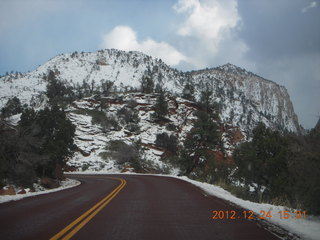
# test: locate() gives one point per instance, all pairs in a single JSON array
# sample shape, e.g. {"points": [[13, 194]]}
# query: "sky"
{"points": [[276, 39]]}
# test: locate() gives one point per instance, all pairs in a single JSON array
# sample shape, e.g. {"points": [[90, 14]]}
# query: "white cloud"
{"points": [[125, 38], [207, 35], [210, 28], [208, 20], [311, 5]]}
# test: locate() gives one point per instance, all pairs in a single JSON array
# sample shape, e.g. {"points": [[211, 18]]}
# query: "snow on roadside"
{"points": [[306, 228], [68, 183]]}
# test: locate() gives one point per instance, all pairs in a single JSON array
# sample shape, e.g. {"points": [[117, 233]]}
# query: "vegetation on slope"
{"points": [[281, 169]]}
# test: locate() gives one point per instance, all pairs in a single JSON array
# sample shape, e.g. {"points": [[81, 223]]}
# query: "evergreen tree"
{"points": [[12, 107], [188, 91], [57, 91], [27, 118], [37, 147], [206, 100], [158, 88], [263, 161], [106, 87], [50, 134], [161, 106], [78, 91], [304, 170], [147, 84], [8, 150], [92, 87], [203, 137], [170, 143], [85, 87], [58, 132], [200, 141]]}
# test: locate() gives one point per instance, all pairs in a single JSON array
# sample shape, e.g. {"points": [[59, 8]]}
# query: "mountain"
{"points": [[245, 98], [242, 98]]}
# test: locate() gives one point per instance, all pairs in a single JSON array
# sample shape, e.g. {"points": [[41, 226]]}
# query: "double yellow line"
{"points": [[77, 224]]}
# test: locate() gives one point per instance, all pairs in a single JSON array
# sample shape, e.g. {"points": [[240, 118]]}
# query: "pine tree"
{"points": [[170, 143], [38, 147], [57, 91], [12, 107], [50, 134], [188, 91], [304, 170], [203, 137], [106, 87], [263, 161], [206, 100], [161, 106], [147, 84], [200, 141]]}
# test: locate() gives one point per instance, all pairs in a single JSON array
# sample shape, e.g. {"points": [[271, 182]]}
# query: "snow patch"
{"points": [[65, 184], [306, 228]]}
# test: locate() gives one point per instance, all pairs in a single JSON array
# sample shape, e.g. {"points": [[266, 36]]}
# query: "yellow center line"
{"points": [[88, 215]]}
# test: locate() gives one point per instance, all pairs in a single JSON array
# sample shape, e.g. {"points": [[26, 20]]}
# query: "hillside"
{"points": [[242, 99]]}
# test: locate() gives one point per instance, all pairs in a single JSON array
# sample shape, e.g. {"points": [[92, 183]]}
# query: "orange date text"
{"points": [[248, 214]]}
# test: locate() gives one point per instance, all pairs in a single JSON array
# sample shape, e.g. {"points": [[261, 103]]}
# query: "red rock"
{"points": [[8, 191]]}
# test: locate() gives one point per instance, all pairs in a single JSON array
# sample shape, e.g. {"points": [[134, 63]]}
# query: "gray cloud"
{"points": [[300, 75], [311, 5], [280, 31], [284, 44]]}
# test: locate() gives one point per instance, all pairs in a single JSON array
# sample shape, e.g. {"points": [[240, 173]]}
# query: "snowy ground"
{"points": [[308, 228], [68, 183]]}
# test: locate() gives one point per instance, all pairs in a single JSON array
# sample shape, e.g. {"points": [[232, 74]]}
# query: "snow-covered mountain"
{"points": [[243, 97]]}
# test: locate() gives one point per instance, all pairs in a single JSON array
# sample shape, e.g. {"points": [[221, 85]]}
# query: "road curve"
{"points": [[146, 207]]}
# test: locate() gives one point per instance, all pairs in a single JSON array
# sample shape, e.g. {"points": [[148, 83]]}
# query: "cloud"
{"points": [[206, 37], [300, 75], [125, 38], [210, 28], [208, 20], [311, 5]]}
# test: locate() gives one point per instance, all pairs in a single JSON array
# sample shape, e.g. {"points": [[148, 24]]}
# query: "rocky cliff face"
{"points": [[246, 98], [243, 97]]}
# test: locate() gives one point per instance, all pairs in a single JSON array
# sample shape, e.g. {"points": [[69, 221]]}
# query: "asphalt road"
{"points": [[136, 207]]}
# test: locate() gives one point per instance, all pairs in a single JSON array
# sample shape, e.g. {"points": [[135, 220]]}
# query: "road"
{"points": [[124, 207]]}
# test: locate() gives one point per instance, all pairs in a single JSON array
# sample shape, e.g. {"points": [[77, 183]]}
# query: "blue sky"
{"points": [[278, 40]]}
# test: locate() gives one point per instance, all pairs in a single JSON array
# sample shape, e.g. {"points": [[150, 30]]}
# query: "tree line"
{"points": [[37, 147], [283, 169]]}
